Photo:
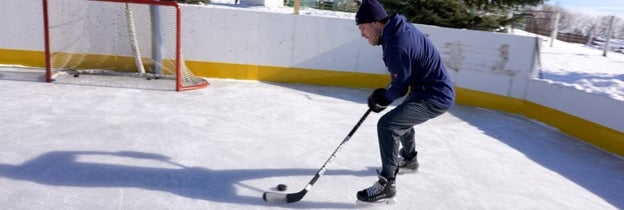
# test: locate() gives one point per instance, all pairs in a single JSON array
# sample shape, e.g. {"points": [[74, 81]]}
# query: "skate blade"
{"points": [[407, 171], [385, 201]]}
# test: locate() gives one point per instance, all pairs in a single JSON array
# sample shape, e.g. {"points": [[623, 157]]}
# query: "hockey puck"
{"points": [[282, 187], [76, 75]]}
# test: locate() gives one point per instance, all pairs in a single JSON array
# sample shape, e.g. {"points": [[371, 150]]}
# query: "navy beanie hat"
{"points": [[370, 11]]}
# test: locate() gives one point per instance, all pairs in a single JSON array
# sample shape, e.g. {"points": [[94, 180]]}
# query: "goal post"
{"points": [[157, 41], [135, 42]]}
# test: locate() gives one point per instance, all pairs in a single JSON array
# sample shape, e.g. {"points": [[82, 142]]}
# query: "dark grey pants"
{"points": [[397, 127]]}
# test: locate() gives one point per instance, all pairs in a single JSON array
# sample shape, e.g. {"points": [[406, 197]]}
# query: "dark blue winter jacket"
{"points": [[414, 64]]}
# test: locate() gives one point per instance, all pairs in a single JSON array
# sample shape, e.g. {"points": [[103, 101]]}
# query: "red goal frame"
{"points": [[178, 64]]}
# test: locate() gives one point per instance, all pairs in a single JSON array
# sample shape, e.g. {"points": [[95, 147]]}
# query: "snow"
{"points": [[582, 67], [73, 146]]}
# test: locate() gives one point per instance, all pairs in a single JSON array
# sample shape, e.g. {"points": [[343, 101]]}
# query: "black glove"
{"points": [[377, 102]]}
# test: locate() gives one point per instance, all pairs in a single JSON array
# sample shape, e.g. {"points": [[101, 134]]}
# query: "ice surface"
{"points": [[68, 146]]}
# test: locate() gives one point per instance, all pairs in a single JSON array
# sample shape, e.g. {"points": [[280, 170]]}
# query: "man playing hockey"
{"points": [[416, 70]]}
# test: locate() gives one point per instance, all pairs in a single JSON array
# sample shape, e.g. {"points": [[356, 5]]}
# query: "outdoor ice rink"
{"points": [[68, 146]]}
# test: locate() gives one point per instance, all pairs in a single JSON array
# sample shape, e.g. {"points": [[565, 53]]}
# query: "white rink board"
{"points": [[596, 108]]}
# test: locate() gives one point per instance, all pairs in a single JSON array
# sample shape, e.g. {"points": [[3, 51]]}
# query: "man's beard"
{"points": [[375, 42]]}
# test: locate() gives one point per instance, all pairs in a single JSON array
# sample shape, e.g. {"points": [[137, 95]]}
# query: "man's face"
{"points": [[371, 31]]}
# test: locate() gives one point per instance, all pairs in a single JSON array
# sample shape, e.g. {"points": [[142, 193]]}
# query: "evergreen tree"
{"points": [[470, 14]]}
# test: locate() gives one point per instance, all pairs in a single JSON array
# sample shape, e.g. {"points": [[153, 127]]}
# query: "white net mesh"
{"points": [[107, 38]]}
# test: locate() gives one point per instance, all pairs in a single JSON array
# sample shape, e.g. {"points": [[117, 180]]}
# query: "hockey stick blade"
{"points": [[275, 197]]}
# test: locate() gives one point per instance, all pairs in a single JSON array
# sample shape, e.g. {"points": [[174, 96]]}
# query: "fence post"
{"points": [[555, 29], [296, 7], [609, 32]]}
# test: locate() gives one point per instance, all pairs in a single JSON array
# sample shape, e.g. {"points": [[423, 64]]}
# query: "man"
{"points": [[415, 66]]}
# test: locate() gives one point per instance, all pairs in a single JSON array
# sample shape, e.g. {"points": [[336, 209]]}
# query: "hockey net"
{"points": [[134, 42]]}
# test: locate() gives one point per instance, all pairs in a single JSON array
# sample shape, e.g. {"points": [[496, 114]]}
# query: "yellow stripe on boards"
{"points": [[606, 138], [287, 74], [590, 132], [22, 57], [488, 100]]}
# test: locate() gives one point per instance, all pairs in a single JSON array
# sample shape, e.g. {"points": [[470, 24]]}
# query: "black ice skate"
{"points": [[383, 191], [407, 163]]}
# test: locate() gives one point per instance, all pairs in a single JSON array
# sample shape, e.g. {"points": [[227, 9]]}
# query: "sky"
{"points": [[597, 7]]}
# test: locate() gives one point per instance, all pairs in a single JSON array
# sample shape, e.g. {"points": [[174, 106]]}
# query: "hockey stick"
{"points": [[276, 197]]}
